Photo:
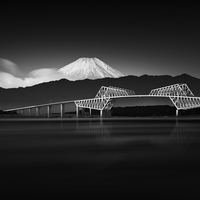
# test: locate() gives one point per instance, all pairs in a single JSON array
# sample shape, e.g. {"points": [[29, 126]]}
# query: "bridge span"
{"points": [[180, 95]]}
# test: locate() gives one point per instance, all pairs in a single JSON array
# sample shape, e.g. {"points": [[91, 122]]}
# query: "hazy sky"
{"points": [[133, 40]]}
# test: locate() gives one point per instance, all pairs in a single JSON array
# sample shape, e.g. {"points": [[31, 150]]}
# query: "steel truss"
{"points": [[172, 90], [104, 98], [184, 102], [180, 95], [113, 92]]}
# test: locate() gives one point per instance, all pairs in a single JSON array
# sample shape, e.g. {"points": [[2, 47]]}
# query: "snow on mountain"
{"points": [[89, 68]]}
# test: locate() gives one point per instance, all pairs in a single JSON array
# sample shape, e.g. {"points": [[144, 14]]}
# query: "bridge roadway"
{"points": [[62, 103]]}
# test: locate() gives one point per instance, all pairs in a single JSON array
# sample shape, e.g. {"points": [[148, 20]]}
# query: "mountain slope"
{"points": [[89, 68]]}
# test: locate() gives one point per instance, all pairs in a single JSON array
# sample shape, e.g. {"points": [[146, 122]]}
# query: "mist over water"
{"points": [[93, 158]]}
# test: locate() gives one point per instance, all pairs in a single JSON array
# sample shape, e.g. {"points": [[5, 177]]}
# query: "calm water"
{"points": [[126, 159]]}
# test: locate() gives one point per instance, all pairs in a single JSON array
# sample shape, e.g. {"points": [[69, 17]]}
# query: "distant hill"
{"points": [[71, 90]]}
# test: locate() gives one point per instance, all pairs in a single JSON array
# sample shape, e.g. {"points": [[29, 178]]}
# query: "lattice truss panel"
{"points": [[172, 90], [113, 92], [180, 94], [182, 102], [96, 103], [104, 98]]}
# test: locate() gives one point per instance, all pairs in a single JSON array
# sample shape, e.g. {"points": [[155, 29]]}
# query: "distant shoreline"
{"points": [[103, 119], [116, 113]]}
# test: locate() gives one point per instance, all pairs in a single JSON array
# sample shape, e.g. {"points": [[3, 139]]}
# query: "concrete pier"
{"points": [[48, 111], [101, 113], [22, 112], [29, 112], [62, 110], [77, 111], [37, 111], [176, 112]]}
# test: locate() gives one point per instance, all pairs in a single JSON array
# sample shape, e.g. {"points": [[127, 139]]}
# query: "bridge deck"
{"points": [[114, 97]]}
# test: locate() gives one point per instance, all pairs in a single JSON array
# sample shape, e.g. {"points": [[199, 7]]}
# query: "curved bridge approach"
{"points": [[180, 95]]}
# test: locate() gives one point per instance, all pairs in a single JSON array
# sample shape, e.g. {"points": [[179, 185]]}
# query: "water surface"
{"points": [[116, 158]]}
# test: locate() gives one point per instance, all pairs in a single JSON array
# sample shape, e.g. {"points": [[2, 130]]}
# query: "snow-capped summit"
{"points": [[89, 68]]}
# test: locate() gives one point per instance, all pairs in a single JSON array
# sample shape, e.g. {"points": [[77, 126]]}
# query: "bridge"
{"points": [[180, 95]]}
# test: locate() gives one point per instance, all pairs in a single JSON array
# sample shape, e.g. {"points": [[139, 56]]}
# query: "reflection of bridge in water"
{"points": [[180, 95], [170, 134]]}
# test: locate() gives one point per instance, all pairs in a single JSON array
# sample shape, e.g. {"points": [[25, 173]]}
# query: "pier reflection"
{"points": [[181, 136], [173, 134]]}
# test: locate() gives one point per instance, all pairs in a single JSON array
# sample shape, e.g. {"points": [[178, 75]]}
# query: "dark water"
{"points": [[125, 159]]}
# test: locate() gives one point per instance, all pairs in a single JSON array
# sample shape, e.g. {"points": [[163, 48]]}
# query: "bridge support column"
{"points": [[48, 111], [37, 111], [90, 112], [29, 112], [77, 110], [22, 112], [101, 113], [62, 110], [176, 112]]}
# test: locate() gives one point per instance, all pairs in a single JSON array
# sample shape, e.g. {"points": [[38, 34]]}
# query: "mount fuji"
{"points": [[89, 68]]}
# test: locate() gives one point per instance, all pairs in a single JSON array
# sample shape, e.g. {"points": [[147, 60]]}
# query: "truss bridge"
{"points": [[180, 95]]}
